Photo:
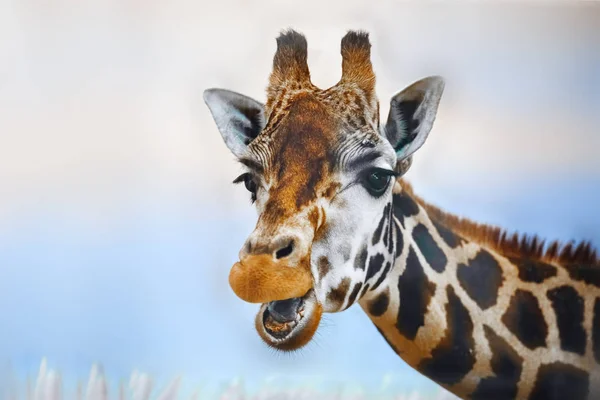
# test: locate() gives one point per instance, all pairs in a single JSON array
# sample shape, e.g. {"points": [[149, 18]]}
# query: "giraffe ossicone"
{"points": [[483, 314]]}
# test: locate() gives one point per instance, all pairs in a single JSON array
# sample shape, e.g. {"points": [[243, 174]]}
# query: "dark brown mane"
{"points": [[510, 245]]}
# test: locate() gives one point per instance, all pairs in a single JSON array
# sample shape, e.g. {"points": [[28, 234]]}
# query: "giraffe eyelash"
{"points": [[243, 178], [384, 171], [240, 179]]}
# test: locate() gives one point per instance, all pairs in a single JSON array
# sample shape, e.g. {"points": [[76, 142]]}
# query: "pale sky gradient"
{"points": [[118, 222]]}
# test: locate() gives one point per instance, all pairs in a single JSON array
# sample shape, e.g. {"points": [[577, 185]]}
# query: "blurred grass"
{"points": [[49, 385]]}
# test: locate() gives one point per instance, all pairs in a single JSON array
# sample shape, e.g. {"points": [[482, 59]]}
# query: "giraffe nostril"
{"points": [[285, 251]]}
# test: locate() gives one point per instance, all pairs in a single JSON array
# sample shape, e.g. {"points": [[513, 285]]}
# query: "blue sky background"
{"points": [[118, 222]]}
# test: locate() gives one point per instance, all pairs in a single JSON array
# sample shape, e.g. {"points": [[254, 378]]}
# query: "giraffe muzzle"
{"points": [[262, 279], [274, 270]]}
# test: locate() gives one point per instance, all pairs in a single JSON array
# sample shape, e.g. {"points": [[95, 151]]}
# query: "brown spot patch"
{"points": [[380, 226], [452, 240], [365, 290], [379, 305], [589, 274], [360, 262], [346, 251], [525, 320], [391, 233], [354, 294], [399, 241], [375, 264], [481, 279], [596, 330], [453, 358], [568, 306], [383, 275], [507, 366], [533, 270], [404, 206], [433, 254], [415, 295], [559, 381], [324, 266], [338, 295]]}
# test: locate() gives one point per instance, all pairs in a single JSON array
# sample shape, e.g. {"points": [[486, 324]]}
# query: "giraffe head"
{"points": [[320, 170]]}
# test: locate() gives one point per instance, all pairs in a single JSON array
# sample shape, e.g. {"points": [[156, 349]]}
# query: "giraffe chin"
{"points": [[296, 330]]}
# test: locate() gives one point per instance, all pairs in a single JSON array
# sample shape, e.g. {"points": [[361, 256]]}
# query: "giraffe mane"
{"points": [[511, 245]]}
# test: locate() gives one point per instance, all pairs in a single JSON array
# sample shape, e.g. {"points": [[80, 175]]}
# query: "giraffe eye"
{"points": [[377, 180], [249, 183]]}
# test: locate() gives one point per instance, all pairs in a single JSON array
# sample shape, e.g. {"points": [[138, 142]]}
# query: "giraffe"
{"points": [[481, 312]]}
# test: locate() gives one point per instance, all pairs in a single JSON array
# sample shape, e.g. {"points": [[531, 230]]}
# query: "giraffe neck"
{"points": [[473, 320]]}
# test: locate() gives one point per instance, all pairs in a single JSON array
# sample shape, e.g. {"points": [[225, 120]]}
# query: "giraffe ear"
{"points": [[411, 116], [239, 118]]}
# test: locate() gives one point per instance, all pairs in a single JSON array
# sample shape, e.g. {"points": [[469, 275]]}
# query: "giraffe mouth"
{"points": [[281, 317], [289, 324]]}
